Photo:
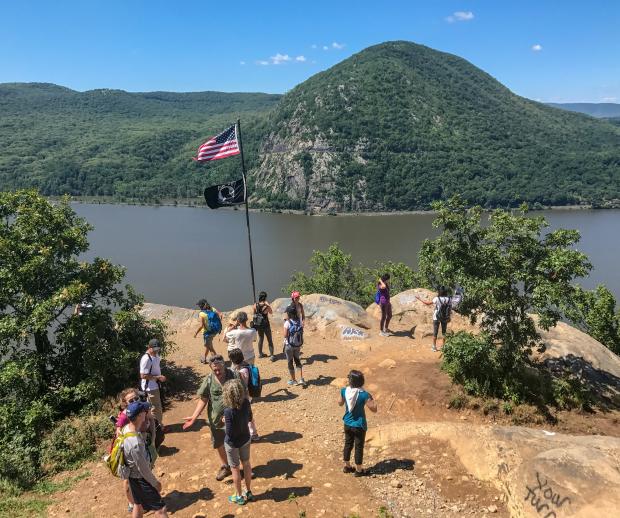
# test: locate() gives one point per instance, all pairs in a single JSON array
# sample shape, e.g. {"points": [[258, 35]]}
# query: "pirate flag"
{"points": [[225, 195]]}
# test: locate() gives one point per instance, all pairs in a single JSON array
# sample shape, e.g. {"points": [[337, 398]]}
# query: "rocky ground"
{"points": [[417, 467]]}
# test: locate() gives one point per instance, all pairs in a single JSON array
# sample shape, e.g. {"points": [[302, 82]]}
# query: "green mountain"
{"points": [[393, 127], [399, 125], [114, 143], [600, 110]]}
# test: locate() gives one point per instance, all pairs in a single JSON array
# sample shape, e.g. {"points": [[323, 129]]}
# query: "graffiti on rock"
{"points": [[543, 498], [329, 300], [352, 333]]}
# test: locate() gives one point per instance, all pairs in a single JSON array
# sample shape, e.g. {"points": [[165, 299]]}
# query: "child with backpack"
{"points": [[293, 340], [355, 399], [237, 415], [210, 325], [251, 379], [145, 488], [441, 314]]}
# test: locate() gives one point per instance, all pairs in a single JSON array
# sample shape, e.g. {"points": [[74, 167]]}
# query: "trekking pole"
{"points": [[247, 210]]}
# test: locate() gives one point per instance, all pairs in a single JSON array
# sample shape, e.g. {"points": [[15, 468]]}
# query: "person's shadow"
{"points": [[280, 437], [324, 358], [274, 397], [177, 500], [391, 465], [277, 468], [282, 494]]}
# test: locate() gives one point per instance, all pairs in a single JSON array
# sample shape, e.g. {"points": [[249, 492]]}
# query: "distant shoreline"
{"points": [[199, 203]]}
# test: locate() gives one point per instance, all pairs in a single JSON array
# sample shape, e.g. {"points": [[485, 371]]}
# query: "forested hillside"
{"points": [[393, 127], [399, 125], [115, 143]]}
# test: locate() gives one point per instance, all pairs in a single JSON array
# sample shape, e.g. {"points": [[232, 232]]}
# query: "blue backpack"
{"points": [[377, 297], [215, 324], [295, 333], [254, 383]]}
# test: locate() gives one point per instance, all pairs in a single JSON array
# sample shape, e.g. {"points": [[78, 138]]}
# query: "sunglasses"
{"points": [[133, 400]]}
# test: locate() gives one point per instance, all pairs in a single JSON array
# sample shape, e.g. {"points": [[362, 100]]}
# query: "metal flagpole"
{"points": [[247, 210]]}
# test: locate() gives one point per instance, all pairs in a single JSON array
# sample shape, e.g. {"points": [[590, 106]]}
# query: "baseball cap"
{"points": [[154, 343], [295, 294], [134, 409]]}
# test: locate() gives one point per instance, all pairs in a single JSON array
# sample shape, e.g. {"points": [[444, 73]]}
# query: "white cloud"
{"points": [[301, 59], [460, 16], [262, 62], [537, 47], [242, 62], [609, 99], [325, 47], [278, 59], [314, 46], [338, 46]]}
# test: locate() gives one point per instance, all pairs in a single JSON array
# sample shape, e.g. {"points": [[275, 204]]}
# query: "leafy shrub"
{"points": [[570, 392], [470, 361]]}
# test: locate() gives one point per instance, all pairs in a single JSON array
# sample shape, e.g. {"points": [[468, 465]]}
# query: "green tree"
{"points": [[52, 361], [509, 267]]}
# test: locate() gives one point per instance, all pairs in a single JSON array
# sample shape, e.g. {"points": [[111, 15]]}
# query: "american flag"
{"points": [[221, 146]]}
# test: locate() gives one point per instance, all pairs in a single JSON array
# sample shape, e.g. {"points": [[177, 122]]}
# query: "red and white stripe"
{"points": [[212, 150]]}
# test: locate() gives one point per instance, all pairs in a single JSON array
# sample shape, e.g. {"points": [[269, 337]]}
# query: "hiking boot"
{"points": [[223, 473]]}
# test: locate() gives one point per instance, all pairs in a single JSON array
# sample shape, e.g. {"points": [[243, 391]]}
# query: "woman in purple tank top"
{"points": [[383, 288]]}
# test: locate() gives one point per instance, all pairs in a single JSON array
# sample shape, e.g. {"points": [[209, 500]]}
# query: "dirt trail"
{"points": [[301, 445]]}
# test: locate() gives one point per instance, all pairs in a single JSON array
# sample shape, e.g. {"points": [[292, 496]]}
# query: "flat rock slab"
{"points": [[542, 474]]}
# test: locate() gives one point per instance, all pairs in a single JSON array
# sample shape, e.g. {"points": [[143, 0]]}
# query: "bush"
{"points": [[570, 392], [73, 441], [470, 361]]}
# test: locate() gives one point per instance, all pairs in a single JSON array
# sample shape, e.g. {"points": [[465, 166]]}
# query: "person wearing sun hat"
{"points": [[144, 486]]}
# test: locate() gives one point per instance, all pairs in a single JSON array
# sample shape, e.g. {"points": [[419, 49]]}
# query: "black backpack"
{"points": [[444, 310], [259, 321]]}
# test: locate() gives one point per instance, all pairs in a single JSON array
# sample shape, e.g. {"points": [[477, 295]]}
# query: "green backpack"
{"points": [[115, 460]]}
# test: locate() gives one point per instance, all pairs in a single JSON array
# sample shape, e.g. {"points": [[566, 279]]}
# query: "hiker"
{"points": [[261, 323], [293, 340], [151, 377], [237, 415], [382, 298], [210, 325], [145, 488], [298, 306], [210, 394], [239, 336], [441, 313], [355, 399], [242, 368]]}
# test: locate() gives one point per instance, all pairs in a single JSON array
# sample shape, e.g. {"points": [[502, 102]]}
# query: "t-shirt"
{"points": [[242, 339], [137, 458], [237, 432], [438, 301], [211, 388], [150, 365], [384, 294], [356, 417]]}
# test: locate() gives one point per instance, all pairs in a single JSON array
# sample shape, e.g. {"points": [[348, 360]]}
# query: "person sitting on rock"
{"points": [[242, 368], [210, 394], [293, 340], [441, 313], [355, 399], [237, 442]]}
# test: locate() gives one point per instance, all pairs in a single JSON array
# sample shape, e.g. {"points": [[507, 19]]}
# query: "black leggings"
{"points": [[262, 333], [355, 436], [386, 315]]}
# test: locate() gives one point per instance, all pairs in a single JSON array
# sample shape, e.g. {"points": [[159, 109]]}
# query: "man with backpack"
{"points": [[151, 377], [441, 314], [293, 340], [210, 325], [145, 488]]}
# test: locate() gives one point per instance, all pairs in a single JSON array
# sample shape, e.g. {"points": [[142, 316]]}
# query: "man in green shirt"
{"points": [[210, 394]]}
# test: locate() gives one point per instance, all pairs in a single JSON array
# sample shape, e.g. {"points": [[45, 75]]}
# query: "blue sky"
{"points": [[545, 50]]}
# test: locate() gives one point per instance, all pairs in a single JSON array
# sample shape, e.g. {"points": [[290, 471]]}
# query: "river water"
{"points": [[177, 255]]}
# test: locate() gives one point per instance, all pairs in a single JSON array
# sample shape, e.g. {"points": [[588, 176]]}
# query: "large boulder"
{"points": [[542, 474]]}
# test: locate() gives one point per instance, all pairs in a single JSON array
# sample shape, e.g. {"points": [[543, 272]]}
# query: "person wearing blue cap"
{"points": [[145, 488]]}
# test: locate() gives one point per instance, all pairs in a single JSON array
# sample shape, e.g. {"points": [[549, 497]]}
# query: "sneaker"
{"points": [[262, 355], [272, 358], [362, 473], [223, 473], [236, 499], [348, 469], [434, 349], [130, 508], [383, 333], [301, 382], [203, 361], [249, 497], [255, 437], [290, 383]]}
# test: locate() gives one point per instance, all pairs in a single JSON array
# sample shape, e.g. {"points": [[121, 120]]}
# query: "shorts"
{"points": [[145, 494], [208, 340], [217, 436], [234, 455], [444, 326]]}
